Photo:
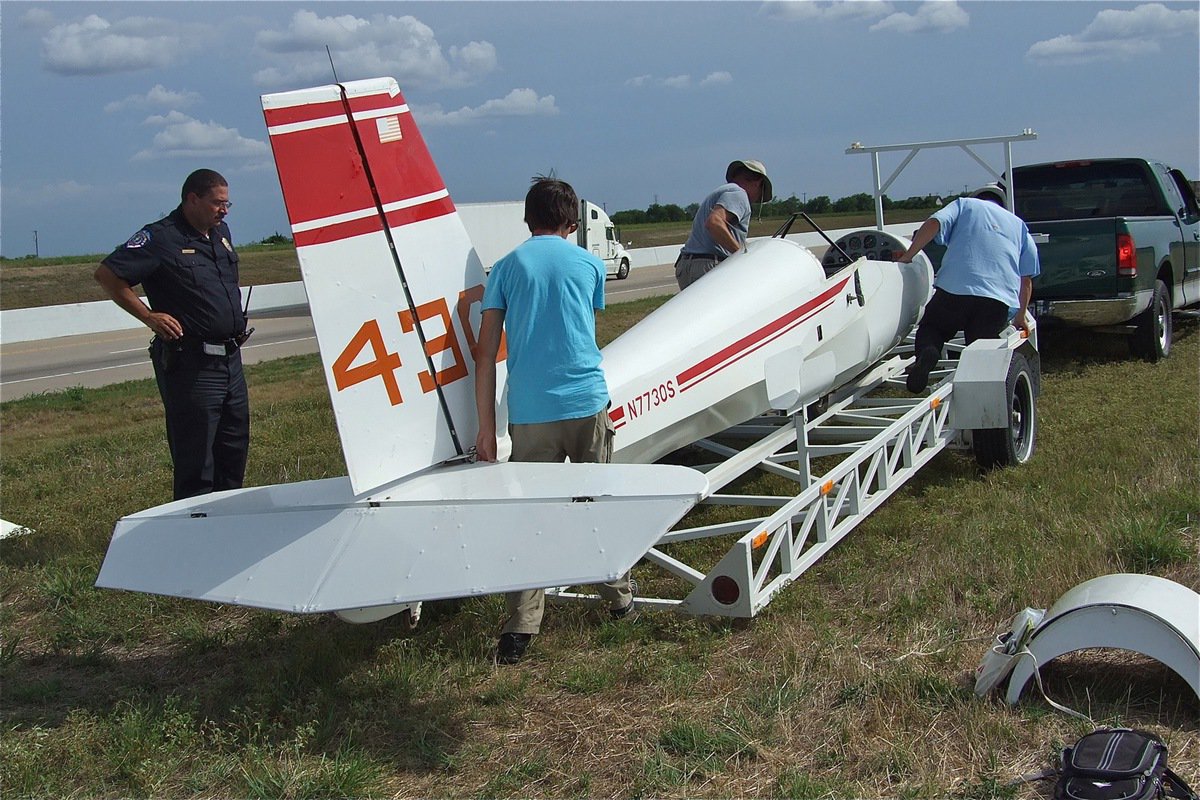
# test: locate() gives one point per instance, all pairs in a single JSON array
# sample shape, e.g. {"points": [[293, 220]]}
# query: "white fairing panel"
{"points": [[452, 532], [1143, 613]]}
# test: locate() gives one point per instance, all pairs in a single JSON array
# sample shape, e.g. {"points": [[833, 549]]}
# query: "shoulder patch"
{"points": [[139, 239]]}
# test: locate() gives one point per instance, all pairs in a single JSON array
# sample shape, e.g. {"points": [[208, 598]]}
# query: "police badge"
{"points": [[139, 239]]}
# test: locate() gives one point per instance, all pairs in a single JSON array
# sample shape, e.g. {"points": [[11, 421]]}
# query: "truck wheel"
{"points": [[1152, 338], [623, 270], [1012, 444]]}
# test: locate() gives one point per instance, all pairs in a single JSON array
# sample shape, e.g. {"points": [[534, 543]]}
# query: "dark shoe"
{"points": [[511, 647], [918, 373]]}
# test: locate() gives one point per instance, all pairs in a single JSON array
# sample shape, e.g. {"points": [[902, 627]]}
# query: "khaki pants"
{"points": [[585, 440]]}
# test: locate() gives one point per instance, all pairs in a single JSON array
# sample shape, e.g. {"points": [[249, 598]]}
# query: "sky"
{"points": [[107, 106]]}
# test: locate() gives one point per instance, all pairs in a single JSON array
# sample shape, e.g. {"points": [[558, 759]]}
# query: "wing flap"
{"points": [[453, 532]]}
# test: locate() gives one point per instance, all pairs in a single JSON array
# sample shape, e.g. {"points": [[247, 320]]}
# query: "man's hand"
{"points": [[485, 446], [163, 324]]}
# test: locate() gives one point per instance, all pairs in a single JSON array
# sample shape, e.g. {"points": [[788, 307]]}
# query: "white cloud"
{"points": [[49, 194], [720, 78], [941, 16], [476, 57], [809, 10], [185, 137], [517, 103], [1117, 34], [96, 46], [158, 97], [717, 78], [403, 47], [37, 18]]}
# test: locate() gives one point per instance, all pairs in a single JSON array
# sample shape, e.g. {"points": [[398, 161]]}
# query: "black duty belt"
{"points": [[219, 347]]}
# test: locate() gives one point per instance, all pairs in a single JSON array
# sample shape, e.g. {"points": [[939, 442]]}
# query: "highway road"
{"points": [[49, 365]]}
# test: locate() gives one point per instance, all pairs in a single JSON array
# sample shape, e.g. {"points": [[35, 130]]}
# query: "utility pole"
{"points": [[35, 245]]}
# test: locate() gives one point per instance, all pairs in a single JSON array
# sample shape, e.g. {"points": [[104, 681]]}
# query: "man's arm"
{"points": [[922, 237], [717, 225], [1019, 321], [123, 295], [486, 352]]}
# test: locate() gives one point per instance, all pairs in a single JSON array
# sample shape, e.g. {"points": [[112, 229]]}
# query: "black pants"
{"points": [[946, 314], [207, 411]]}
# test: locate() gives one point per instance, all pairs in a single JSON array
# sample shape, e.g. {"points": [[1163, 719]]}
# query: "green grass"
{"points": [[854, 682], [31, 282]]}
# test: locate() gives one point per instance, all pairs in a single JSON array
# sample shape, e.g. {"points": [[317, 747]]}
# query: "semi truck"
{"points": [[496, 228]]}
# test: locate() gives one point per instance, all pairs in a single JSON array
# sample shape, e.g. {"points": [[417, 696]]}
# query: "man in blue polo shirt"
{"points": [[986, 275], [544, 295]]}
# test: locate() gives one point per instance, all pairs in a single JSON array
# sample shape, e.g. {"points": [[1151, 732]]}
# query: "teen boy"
{"points": [[544, 295]]}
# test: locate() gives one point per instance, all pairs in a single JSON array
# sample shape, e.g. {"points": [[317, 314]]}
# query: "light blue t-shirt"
{"points": [[733, 199], [988, 251], [550, 290]]}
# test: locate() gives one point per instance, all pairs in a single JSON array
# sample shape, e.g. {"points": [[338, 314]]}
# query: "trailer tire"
{"points": [[623, 270], [1151, 340], [1014, 443]]}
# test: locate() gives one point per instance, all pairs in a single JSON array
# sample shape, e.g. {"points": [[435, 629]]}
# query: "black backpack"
{"points": [[1118, 764]]}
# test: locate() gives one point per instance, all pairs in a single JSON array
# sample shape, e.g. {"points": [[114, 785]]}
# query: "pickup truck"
{"points": [[1119, 244]]}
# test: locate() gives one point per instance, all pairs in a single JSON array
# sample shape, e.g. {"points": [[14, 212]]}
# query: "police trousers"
{"points": [[207, 409]]}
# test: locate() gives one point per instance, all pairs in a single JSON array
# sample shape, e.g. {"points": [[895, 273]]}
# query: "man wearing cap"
{"points": [[723, 220], [986, 277]]}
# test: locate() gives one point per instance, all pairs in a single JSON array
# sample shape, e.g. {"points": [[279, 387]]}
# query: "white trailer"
{"points": [[496, 228], [843, 456]]}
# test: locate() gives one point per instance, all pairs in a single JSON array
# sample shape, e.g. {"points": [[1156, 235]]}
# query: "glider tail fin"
{"points": [[393, 282]]}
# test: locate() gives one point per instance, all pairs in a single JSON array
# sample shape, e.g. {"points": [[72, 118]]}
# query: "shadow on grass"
{"points": [[1073, 350], [266, 677], [1134, 690]]}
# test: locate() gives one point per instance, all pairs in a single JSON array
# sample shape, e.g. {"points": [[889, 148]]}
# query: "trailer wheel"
{"points": [[1012, 444], [623, 270], [1151, 340]]}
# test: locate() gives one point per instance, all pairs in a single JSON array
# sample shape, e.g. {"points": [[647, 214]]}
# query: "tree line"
{"points": [[781, 207]]}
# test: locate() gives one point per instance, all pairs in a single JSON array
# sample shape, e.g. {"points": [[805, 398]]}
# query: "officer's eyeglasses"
{"points": [[224, 205]]}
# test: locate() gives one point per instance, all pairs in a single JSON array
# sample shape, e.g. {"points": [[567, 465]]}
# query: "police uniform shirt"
{"points": [[184, 274]]}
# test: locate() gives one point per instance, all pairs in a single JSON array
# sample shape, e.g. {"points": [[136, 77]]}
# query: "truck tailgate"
{"points": [[1078, 258]]}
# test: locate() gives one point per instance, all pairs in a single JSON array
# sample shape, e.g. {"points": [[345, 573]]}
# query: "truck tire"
{"points": [[623, 270], [1013, 444], [1151, 340]]}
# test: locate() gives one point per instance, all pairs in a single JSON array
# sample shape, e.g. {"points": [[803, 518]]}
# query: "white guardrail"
{"points": [[75, 319]]}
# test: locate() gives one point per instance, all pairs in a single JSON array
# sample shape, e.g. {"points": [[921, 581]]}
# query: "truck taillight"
{"points": [[1126, 256]]}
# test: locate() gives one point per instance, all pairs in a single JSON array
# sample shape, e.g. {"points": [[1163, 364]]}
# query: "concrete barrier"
{"points": [[73, 319]]}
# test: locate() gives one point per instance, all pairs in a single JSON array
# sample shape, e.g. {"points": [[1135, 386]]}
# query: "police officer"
{"points": [[189, 270]]}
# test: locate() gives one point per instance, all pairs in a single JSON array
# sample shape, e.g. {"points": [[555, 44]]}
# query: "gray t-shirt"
{"points": [[733, 199]]}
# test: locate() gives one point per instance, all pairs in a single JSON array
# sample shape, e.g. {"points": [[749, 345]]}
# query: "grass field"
{"points": [[854, 682], [31, 282]]}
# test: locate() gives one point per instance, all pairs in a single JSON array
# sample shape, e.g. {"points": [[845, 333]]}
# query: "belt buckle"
{"points": [[214, 349]]}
